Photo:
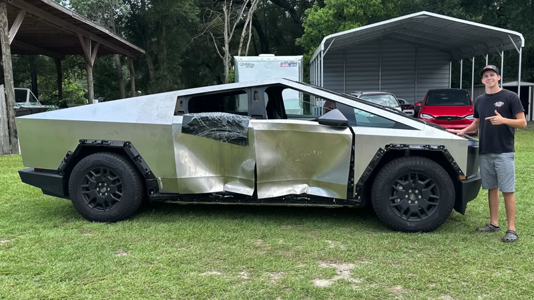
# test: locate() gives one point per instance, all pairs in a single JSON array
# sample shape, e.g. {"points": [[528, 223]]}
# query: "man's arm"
{"points": [[474, 126], [518, 122]]}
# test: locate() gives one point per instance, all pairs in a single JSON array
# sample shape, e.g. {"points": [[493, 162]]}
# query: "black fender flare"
{"points": [[87, 147], [406, 149]]}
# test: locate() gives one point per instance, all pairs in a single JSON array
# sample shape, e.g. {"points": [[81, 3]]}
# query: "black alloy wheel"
{"points": [[106, 187], [413, 194]]}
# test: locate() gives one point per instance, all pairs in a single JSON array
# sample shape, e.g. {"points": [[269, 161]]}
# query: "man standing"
{"points": [[501, 112]]}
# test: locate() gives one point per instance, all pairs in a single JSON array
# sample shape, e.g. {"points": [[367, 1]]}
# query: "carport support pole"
{"points": [[8, 78], [450, 74], [519, 80], [502, 67], [473, 76], [461, 72]]}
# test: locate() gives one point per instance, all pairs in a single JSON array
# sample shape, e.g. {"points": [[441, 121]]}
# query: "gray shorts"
{"points": [[498, 171]]}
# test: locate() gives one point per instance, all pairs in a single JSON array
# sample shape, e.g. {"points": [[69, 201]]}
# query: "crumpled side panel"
{"points": [[224, 127]]}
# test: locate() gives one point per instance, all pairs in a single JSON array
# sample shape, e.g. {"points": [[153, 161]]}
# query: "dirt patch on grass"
{"points": [[334, 244], [276, 276], [211, 273], [122, 253], [343, 271], [3, 241], [397, 289], [244, 275]]}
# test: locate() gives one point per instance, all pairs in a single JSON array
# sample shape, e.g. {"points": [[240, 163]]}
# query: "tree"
{"points": [[221, 23], [341, 15], [163, 28]]}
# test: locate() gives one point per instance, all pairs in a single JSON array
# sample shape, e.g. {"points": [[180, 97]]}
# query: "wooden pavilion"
{"points": [[43, 27]]}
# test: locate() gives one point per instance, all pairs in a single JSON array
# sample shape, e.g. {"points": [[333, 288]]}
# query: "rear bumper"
{"points": [[468, 191], [49, 181]]}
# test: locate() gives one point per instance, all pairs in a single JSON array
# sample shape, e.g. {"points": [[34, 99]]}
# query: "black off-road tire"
{"points": [[105, 187], [413, 194]]}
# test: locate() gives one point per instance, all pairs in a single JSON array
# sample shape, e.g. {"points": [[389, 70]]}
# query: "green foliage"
{"points": [[341, 15]]}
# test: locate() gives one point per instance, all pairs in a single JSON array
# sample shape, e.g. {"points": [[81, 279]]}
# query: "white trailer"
{"points": [[269, 66]]}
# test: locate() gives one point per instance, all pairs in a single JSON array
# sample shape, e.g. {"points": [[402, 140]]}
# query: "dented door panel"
{"points": [[212, 157], [301, 157]]}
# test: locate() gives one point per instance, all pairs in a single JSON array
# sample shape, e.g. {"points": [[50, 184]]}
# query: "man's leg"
{"points": [[505, 167], [493, 199], [509, 202], [491, 184]]}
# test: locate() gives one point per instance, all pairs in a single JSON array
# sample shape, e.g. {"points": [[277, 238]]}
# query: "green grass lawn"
{"points": [[47, 251]]}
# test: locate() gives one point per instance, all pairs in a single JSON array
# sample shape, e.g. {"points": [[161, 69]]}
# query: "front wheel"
{"points": [[413, 194], [105, 187]]}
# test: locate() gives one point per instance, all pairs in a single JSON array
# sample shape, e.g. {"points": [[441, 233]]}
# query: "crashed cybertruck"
{"points": [[236, 144]]}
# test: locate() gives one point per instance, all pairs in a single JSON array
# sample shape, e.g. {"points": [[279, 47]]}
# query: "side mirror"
{"points": [[334, 118], [418, 104]]}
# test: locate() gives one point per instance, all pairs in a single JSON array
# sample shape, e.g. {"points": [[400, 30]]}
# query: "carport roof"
{"points": [[460, 38], [50, 29]]}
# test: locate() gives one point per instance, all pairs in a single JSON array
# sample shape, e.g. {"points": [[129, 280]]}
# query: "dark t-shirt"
{"points": [[496, 138]]}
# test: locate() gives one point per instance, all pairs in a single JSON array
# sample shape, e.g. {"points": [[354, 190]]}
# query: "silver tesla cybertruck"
{"points": [[236, 144]]}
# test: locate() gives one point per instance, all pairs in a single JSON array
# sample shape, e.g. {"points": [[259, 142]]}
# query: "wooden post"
{"points": [[59, 78], [4, 129], [8, 78], [90, 56], [132, 76]]}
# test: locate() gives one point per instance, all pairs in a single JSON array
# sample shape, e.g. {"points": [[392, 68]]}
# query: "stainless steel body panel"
{"points": [[301, 157], [205, 165], [45, 138], [369, 140]]}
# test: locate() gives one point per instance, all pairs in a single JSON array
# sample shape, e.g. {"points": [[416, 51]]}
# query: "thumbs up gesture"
{"points": [[497, 119]]}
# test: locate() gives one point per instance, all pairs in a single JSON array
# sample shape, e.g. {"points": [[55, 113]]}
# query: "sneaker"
{"points": [[489, 228], [510, 236]]}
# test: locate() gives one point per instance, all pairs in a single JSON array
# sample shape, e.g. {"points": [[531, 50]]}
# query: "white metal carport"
{"points": [[407, 55]]}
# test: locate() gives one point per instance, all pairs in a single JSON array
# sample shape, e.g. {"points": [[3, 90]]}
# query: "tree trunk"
{"points": [[59, 79], [8, 78], [120, 77], [149, 62], [132, 77], [33, 75], [264, 42]]}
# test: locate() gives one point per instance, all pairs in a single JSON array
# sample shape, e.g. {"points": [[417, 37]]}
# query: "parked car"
{"points": [[26, 103], [449, 108], [210, 145], [407, 107], [379, 97]]}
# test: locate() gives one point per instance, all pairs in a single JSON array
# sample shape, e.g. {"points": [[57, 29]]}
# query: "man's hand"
{"points": [[457, 131], [497, 119]]}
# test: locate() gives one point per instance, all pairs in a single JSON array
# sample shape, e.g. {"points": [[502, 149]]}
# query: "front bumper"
{"points": [[49, 181], [467, 192]]}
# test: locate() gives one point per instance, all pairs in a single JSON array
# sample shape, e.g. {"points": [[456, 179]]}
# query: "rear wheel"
{"points": [[413, 194], [105, 187]]}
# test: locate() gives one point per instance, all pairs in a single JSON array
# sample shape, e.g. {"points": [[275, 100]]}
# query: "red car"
{"points": [[449, 108]]}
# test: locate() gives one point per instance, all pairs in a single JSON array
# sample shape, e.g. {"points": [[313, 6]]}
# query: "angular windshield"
{"points": [[385, 100], [447, 98]]}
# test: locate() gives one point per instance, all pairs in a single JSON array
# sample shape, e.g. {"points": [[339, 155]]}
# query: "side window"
{"points": [[20, 95], [301, 105], [360, 118], [234, 102]]}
